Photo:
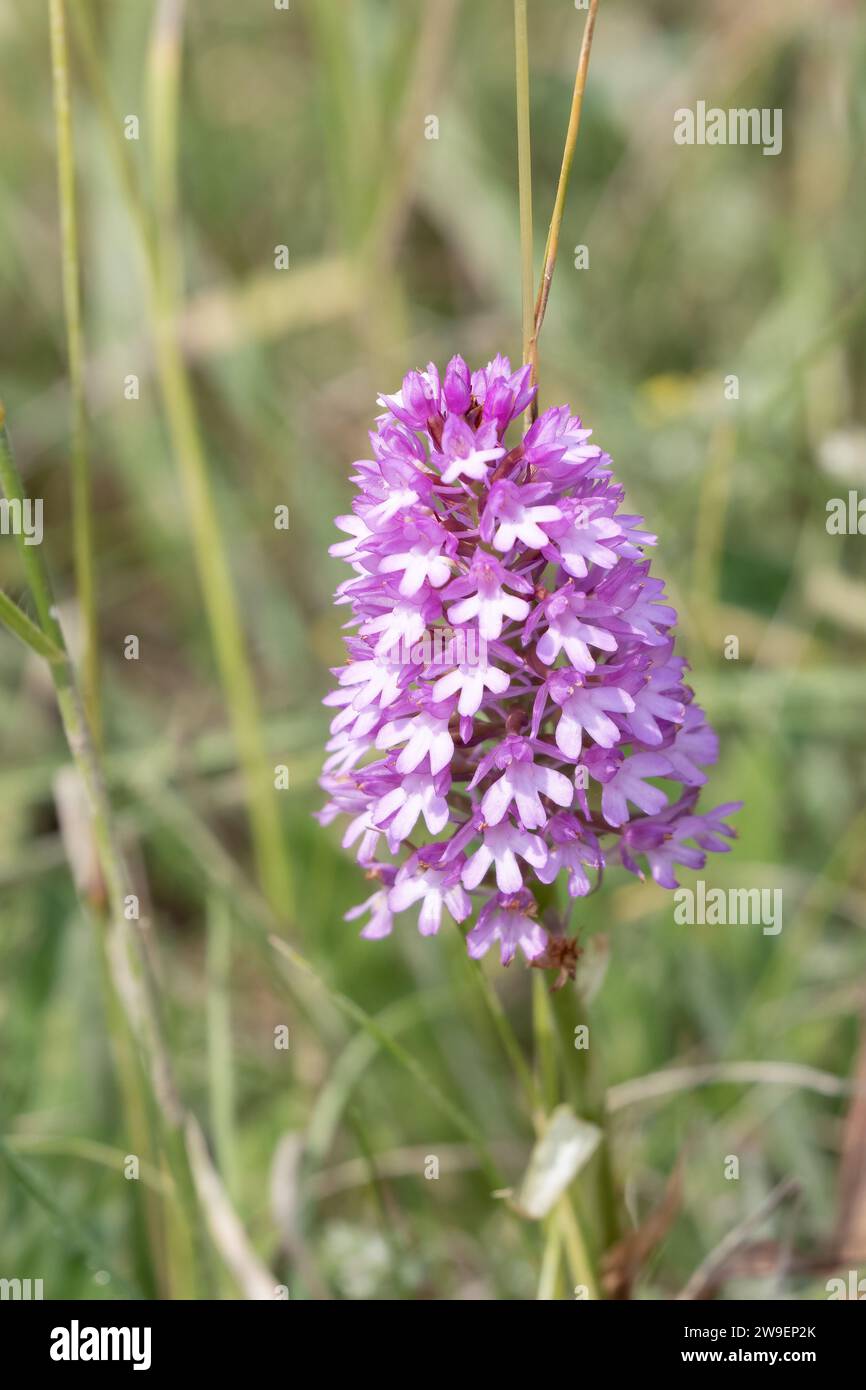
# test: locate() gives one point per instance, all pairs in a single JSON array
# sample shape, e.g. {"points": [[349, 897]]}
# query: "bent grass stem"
{"points": [[198, 1187], [82, 487]]}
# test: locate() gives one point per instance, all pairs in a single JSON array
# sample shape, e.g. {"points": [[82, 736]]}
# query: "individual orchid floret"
{"points": [[424, 734], [629, 783], [583, 538], [484, 597], [381, 919], [502, 845], [513, 514], [465, 452], [419, 558], [510, 920], [397, 812], [522, 781], [471, 680], [586, 708], [425, 879], [573, 849], [565, 614]]}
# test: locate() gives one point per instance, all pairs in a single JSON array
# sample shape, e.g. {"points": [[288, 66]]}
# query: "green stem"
{"points": [[579, 1263], [112, 867], [24, 628], [196, 1184], [508, 1038], [545, 1042], [461, 1121], [85, 37], [524, 167], [548, 1277], [585, 1089], [34, 565], [219, 1038], [160, 248], [48, 640], [563, 1230], [564, 1215], [220, 599], [82, 524]]}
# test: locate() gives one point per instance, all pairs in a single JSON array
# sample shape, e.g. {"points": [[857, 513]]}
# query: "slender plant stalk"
{"points": [[73, 721], [198, 1188], [579, 1263], [461, 1121], [524, 169], [548, 1277], [160, 248], [510, 1044], [113, 935], [209, 546], [139, 213], [224, 622], [130, 1079], [564, 1215], [24, 628], [219, 1038], [563, 1231], [586, 1090], [82, 523], [552, 246], [545, 1042]]}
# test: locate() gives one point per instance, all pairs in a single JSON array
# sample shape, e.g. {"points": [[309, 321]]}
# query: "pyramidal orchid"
{"points": [[511, 708]]}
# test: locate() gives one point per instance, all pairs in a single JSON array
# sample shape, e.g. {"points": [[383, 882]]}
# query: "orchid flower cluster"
{"points": [[511, 699]]}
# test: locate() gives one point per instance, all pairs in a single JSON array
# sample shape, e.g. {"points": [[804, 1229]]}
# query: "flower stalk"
{"points": [[552, 246], [82, 487], [524, 169]]}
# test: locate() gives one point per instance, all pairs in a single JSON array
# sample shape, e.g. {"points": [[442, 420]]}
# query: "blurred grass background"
{"points": [[306, 129]]}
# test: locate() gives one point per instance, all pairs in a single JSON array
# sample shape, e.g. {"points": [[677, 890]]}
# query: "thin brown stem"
{"points": [[524, 166], [552, 246]]}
